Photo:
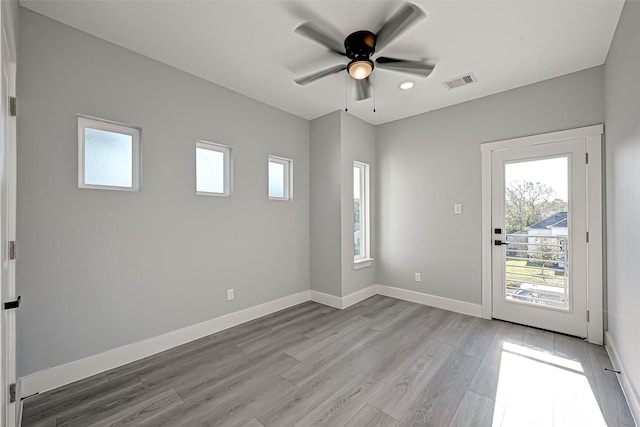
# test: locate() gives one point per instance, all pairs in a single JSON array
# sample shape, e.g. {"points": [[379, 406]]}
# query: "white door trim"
{"points": [[593, 138], [8, 56]]}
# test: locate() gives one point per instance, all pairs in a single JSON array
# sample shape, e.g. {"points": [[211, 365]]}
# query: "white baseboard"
{"points": [[343, 302], [58, 376], [49, 379], [630, 392], [431, 300], [358, 296], [326, 299]]}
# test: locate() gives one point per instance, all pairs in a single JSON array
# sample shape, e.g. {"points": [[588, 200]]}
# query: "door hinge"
{"points": [[586, 158], [587, 237], [587, 315], [12, 393], [13, 109], [12, 249]]}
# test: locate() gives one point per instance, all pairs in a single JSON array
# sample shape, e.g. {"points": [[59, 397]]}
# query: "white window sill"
{"points": [[362, 263]]}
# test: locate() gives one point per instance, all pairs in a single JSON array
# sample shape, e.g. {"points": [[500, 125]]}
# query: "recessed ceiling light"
{"points": [[406, 85]]}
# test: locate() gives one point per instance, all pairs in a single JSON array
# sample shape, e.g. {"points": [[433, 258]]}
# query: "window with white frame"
{"points": [[280, 178], [108, 155], [213, 169], [361, 212]]}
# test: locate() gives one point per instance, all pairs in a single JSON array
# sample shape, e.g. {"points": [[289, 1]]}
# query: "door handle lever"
{"points": [[500, 242], [12, 304]]}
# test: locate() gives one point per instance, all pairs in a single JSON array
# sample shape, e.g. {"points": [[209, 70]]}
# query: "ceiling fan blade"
{"points": [[302, 81], [363, 89], [417, 68], [318, 35], [400, 21]]}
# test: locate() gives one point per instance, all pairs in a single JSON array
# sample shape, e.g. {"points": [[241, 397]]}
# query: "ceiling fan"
{"points": [[360, 46]]}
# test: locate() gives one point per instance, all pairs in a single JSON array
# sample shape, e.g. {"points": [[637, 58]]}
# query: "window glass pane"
{"points": [[108, 158], [276, 179], [209, 171], [357, 213]]}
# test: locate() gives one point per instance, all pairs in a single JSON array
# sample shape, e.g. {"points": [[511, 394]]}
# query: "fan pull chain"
{"points": [[346, 83], [374, 94]]}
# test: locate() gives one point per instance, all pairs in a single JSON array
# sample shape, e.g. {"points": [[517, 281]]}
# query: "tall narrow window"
{"points": [[361, 212], [108, 155], [280, 181], [213, 171]]}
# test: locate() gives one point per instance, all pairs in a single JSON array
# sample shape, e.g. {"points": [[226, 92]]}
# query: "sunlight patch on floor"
{"points": [[536, 388]]}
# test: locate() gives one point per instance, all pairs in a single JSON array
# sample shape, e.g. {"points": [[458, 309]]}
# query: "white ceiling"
{"points": [[250, 47]]}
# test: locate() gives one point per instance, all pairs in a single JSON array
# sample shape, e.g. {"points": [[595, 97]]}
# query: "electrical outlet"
{"points": [[230, 295], [418, 277]]}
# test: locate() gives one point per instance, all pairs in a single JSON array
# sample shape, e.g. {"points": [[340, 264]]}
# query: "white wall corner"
{"points": [[326, 299], [628, 388], [361, 295], [67, 373]]}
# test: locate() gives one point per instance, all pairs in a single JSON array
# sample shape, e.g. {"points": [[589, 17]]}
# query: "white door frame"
{"points": [[9, 413], [593, 138]]}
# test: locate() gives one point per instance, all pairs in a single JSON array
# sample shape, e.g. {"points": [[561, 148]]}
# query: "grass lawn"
{"points": [[542, 275]]}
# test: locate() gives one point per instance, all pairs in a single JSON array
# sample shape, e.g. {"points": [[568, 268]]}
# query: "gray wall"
{"points": [[358, 144], [429, 162], [100, 269], [325, 185], [337, 140], [622, 104]]}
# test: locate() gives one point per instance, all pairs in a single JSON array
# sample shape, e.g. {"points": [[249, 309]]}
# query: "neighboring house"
{"points": [[554, 225], [545, 236]]}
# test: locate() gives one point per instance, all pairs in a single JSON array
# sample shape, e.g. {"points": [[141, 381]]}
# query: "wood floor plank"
{"points": [[341, 406], [244, 372], [473, 411], [402, 390], [455, 329], [170, 371], [302, 321], [297, 404], [371, 417], [396, 359], [234, 407], [485, 382], [410, 321], [35, 401], [342, 316], [384, 319], [311, 346], [108, 406], [439, 401], [77, 400], [143, 411], [253, 423], [612, 403], [478, 338], [328, 356], [539, 339]]}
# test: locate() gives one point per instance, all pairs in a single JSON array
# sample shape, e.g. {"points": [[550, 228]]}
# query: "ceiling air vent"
{"points": [[460, 81]]}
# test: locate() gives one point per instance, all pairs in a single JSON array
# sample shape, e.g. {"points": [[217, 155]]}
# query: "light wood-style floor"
{"points": [[382, 362]]}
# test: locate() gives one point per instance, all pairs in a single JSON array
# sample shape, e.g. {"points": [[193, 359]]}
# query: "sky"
{"points": [[552, 172]]}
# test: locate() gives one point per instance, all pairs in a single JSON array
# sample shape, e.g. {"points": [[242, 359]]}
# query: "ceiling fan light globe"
{"points": [[360, 69]]}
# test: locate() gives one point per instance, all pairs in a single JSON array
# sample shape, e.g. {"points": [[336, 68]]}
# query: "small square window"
{"points": [[108, 155], [280, 182], [212, 169]]}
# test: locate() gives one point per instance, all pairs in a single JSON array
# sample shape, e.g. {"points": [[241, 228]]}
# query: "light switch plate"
{"points": [[457, 209]]}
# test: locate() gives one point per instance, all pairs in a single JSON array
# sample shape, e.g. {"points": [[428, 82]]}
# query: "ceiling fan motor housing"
{"points": [[359, 46]]}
